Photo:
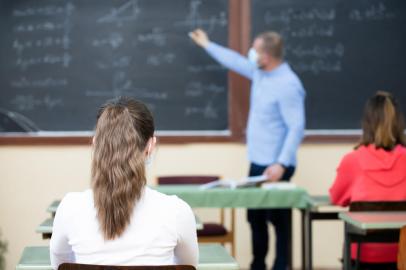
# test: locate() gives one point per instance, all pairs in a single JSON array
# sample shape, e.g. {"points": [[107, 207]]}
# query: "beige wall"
{"points": [[31, 177]]}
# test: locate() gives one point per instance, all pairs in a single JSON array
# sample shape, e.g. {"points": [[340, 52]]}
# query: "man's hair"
{"points": [[272, 44]]}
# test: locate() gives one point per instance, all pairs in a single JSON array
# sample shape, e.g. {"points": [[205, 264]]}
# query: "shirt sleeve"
{"points": [[60, 250], [187, 250], [231, 60], [291, 105], [341, 190]]}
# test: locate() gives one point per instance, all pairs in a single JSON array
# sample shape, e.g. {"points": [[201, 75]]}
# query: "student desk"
{"points": [[318, 208], [370, 227], [45, 228], [251, 197], [211, 257], [53, 207], [229, 198]]}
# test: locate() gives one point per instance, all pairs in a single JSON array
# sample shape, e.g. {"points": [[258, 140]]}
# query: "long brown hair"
{"points": [[124, 127], [383, 123]]}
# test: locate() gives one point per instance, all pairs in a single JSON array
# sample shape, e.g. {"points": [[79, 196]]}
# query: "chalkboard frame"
{"points": [[239, 39]]}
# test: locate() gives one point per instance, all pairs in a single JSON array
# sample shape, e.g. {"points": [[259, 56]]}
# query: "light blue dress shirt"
{"points": [[277, 118]]}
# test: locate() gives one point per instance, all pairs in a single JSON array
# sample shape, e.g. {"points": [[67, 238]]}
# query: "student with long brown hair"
{"points": [[120, 221], [375, 171]]}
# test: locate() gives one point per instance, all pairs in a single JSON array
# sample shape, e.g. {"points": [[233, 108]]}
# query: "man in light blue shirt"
{"points": [[275, 129]]}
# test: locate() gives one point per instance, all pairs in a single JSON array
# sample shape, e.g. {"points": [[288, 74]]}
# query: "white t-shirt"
{"points": [[162, 231]]}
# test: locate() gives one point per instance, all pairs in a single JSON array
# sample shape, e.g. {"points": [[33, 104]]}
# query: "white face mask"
{"points": [[253, 56], [148, 160]]}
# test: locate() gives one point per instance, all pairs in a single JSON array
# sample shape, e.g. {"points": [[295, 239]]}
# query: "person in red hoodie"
{"points": [[375, 171]]}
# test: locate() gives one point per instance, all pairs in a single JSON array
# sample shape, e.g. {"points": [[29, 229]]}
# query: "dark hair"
{"points": [[272, 44], [124, 126], [383, 123]]}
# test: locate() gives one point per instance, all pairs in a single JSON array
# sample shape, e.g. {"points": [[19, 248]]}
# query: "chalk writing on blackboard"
{"points": [[113, 40], [156, 37], [30, 102], [64, 58], [49, 82], [129, 11], [207, 111], [195, 20], [376, 12]]}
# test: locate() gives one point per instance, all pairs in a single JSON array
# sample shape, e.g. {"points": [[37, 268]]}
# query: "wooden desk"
{"points": [[370, 227], [211, 257]]}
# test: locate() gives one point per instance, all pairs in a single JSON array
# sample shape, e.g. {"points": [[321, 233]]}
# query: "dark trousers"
{"points": [[281, 219]]}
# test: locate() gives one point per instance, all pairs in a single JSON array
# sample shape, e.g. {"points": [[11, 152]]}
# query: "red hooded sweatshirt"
{"points": [[370, 174]]}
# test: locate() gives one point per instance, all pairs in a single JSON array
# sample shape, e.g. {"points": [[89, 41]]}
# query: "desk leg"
{"points": [[303, 216], [308, 240], [347, 248], [307, 247], [290, 241]]}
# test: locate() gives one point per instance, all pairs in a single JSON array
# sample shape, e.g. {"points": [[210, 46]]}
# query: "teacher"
{"points": [[275, 129]]}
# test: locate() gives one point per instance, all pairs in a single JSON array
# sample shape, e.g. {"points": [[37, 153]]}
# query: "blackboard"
{"points": [[60, 60], [344, 51]]}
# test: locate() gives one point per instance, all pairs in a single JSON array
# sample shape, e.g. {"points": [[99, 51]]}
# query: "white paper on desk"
{"points": [[251, 181], [279, 185], [218, 183], [232, 184]]}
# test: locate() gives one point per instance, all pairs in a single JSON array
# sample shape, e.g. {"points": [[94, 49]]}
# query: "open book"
{"points": [[245, 182]]}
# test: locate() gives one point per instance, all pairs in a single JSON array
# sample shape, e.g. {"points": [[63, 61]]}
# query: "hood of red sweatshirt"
{"points": [[386, 168]]}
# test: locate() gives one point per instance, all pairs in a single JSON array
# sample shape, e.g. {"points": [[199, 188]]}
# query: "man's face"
{"points": [[263, 57]]}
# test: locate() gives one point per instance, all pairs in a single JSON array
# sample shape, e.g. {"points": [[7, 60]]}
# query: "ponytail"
{"points": [[118, 169], [385, 129], [383, 123]]}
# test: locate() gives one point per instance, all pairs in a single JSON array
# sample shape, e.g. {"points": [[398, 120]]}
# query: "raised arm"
{"points": [[226, 57]]}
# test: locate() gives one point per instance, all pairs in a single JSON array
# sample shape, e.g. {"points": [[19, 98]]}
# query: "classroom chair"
{"points": [[211, 232], [371, 206], [78, 266], [402, 249]]}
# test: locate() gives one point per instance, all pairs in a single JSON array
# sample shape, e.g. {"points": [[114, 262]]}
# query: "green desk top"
{"points": [[211, 257], [215, 256], [318, 200], [54, 205], [322, 203], [237, 198], [231, 198], [375, 220], [35, 258], [46, 226]]}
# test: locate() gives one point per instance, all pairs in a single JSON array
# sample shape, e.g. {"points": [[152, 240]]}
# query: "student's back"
{"points": [[371, 174], [375, 170], [158, 223], [120, 221]]}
